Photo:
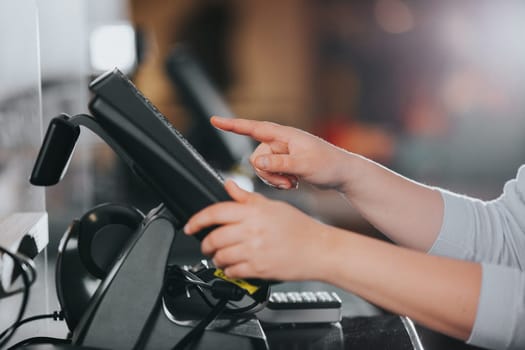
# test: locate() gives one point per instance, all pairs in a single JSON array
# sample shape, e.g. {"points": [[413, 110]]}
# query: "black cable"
{"points": [[55, 315], [201, 326], [203, 296], [196, 282], [229, 310], [223, 291], [39, 340], [20, 260], [242, 310], [25, 266]]}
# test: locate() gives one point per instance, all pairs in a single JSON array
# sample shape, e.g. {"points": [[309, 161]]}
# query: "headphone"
{"points": [[87, 251]]}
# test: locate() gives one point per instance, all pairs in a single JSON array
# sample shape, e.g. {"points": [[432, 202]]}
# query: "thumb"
{"points": [[237, 193]]}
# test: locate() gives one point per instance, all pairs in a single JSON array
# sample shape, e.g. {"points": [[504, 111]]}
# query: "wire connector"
{"points": [[226, 290], [58, 315]]}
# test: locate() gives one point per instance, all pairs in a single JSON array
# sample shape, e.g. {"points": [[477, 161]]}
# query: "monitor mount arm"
{"points": [[129, 300], [59, 143]]}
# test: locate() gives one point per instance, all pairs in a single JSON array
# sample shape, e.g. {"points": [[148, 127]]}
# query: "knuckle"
{"points": [[237, 271], [286, 162], [211, 214], [244, 271], [252, 159], [208, 244], [257, 242], [254, 196], [219, 258], [259, 269], [276, 161], [268, 125]]}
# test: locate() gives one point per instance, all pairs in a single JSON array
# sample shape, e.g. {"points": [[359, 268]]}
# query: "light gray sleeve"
{"points": [[492, 233], [500, 318]]}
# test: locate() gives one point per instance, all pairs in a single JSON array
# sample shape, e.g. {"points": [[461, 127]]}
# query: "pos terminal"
{"points": [[141, 302]]}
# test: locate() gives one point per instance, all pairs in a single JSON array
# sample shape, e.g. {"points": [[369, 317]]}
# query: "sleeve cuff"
{"points": [[454, 237], [501, 312]]}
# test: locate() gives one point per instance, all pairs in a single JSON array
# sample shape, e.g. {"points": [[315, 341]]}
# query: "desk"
{"points": [[361, 333], [356, 333]]}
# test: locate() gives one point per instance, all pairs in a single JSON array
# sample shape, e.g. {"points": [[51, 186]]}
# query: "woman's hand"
{"points": [[286, 155], [260, 238], [408, 212]]}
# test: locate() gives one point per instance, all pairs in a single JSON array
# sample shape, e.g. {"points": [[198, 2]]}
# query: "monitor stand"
{"points": [[127, 311]]}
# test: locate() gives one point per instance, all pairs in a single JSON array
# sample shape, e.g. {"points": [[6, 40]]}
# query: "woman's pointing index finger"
{"points": [[261, 131]]}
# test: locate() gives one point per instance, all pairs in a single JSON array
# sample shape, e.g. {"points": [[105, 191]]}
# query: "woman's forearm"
{"points": [[409, 213], [437, 292]]}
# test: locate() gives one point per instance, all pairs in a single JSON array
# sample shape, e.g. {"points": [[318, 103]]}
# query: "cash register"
{"points": [[114, 281]]}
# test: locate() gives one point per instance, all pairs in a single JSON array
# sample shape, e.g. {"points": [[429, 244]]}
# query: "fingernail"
{"points": [[262, 162], [186, 229], [282, 187]]}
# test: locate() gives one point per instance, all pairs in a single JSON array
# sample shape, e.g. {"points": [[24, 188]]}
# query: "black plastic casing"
{"points": [[55, 153], [160, 154]]}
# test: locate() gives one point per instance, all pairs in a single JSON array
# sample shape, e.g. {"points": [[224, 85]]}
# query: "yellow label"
{"points": [[250, 288]]}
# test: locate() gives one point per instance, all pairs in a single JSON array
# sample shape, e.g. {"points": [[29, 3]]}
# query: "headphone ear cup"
{"points": [[83, 260], [103, 232]]}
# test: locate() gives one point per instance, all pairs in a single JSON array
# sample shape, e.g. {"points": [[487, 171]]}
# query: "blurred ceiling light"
{"points": [[394, 16], [113, 46]]}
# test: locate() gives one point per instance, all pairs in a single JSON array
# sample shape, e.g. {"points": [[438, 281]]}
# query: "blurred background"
{"points": [[431, 89]]}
